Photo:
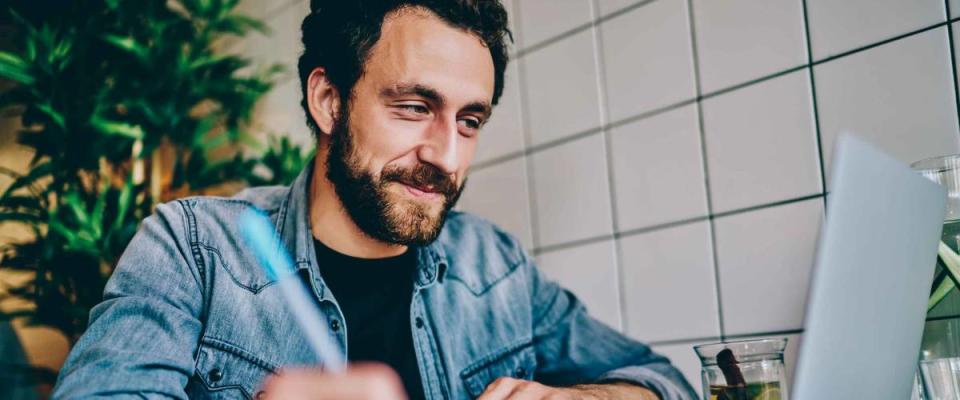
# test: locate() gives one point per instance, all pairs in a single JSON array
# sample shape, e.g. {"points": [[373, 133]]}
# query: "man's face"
{"points": [[399, 155]]}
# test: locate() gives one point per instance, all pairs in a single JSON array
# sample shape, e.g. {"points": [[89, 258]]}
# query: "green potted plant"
{"points": [[123, 104]]}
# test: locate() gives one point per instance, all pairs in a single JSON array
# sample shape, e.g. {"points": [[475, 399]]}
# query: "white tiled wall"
{"points": [[740, 40], [900, 95], [279, 112], [646, 58], [674, 150], [762, 143], [664, 158], [657, 170]]}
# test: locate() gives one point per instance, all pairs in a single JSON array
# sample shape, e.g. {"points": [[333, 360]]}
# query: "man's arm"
{"points": [[573, 348], [142, 338]]}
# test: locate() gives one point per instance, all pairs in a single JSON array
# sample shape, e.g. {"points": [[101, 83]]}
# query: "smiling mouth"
{"points": [[420, 192]]}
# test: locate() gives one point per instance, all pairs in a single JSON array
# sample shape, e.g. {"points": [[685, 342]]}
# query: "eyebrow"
{"points": [[429, 93]]}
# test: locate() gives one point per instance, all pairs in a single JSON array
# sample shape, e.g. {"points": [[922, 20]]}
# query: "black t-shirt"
{"points": [[374, 296]]}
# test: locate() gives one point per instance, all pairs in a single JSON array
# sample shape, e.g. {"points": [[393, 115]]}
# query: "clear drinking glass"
{"points": [[743, 370], [940, 350]]}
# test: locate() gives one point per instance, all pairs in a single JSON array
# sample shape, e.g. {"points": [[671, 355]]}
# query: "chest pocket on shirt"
{"points": [[226, 371], [517, 361]]}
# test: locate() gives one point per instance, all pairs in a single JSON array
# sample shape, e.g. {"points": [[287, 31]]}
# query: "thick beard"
{"points": [[367, 200]]}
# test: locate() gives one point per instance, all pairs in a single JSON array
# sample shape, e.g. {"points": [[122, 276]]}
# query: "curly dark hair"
{"points": [[338, 35]]}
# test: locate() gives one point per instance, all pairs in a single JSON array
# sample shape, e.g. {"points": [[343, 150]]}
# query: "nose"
{"points": [[440, 147]]}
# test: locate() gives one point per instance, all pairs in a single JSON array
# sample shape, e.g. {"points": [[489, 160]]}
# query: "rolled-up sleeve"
{"points": [[574, 348], [142, 338]]}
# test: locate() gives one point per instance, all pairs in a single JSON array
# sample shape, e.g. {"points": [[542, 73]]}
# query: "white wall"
{"points": [[279, 112], [665, 158]]}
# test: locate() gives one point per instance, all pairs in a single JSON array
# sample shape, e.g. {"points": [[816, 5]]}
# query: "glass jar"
{"points": [[743, 370]]}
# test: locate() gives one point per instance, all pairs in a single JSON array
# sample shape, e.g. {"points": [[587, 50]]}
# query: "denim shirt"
{"points": [[188, 312]]}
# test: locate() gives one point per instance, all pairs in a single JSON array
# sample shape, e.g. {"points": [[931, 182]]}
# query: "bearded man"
{"points": [[424, 302]]}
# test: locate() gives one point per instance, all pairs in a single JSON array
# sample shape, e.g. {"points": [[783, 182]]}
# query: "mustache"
{"points": [[423, 176]]}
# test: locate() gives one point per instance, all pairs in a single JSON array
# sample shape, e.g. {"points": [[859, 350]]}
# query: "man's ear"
{"points": [[323, 100]]}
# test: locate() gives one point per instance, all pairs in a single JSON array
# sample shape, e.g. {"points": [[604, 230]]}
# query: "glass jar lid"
{"points": [[743, 351]]}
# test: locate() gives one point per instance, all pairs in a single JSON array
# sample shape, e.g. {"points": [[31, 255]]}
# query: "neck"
{"points": [[332, 225]]}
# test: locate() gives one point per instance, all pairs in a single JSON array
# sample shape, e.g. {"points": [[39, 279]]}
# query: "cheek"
{"points": [[380, 141], [467, 149]]}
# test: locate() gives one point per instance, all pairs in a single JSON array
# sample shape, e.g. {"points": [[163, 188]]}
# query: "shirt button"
{"points": [[419, 322], [215, 375], [259, 395], [335, 325], [520, 372]]}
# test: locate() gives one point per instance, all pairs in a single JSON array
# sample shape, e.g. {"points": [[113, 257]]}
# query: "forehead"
{"points": [[417, 47]]}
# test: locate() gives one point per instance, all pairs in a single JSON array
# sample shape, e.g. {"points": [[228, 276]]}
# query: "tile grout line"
{"points": [[571, 244], [668, 225], [599, 64], [705, 168], [534, 148], [725, 214], [604, 18], [814, 103], [659, 227], [953, 58], [881, 42], [745, 84], [594, 21], [532, 213]]}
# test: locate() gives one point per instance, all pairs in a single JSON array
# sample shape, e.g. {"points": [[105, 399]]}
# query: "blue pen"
{"points": [[260, 235]]}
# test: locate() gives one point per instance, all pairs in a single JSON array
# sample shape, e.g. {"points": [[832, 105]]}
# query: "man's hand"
{"points": [[359, 382], [509, 388]]}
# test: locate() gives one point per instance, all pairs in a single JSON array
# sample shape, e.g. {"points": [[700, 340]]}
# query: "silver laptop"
{"points": [[871, 281]]}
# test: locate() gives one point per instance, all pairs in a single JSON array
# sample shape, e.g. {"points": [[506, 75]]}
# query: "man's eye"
{"points": [[471, 123], [414, 108]]}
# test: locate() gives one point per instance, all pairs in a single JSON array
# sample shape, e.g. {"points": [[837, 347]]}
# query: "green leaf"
{"points": [[61, 54], [129, 44], [37, 172], [98, 207], [950, 260], [216, 141], [205, 61], [30, 50], [15, 68], [15, 216], [11, 315], [123, 204], [251, 142], [204, 126], [114, 128], [56, 117], [13, 60], [67, 233], [230, 4], [78, 207], [15, 202], [951, 263], [940, 293]]}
